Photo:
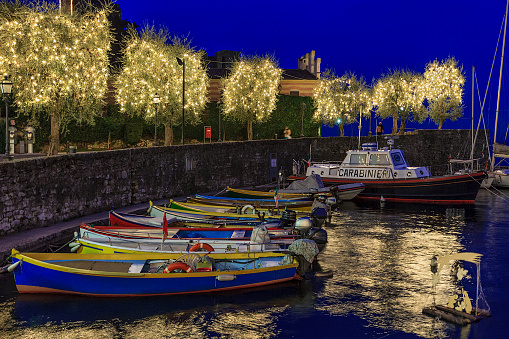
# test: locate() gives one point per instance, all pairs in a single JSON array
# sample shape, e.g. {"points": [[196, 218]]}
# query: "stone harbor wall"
{"points": [[39, 192]]}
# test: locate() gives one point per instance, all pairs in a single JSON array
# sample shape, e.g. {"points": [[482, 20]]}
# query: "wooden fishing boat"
{"points": [[181, 240], [258, 203], [459, 309], [122, 275], [247, 209], [334, 194], [185, 235], [254, 194], [387, 177], [159, 211], [93, 240], [127, 220]]}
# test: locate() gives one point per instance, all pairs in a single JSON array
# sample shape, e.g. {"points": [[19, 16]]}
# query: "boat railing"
{"points": [[464, 166], [300, 166]]}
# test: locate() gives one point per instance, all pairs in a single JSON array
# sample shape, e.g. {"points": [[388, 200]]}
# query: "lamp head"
{"points": [[6, 85], [156, 99]]}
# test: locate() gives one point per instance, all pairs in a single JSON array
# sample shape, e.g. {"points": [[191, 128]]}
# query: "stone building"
{"points": [[295, 82], [309, 63]]}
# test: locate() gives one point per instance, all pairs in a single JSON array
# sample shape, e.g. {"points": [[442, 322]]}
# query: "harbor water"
{"points": [[380, 257]]}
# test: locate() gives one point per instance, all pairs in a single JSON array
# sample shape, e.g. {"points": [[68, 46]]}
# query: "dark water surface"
{"points": [[380, 257]]}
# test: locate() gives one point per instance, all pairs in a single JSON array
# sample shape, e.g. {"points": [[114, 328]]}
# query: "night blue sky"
{"points": [[364, 36]]}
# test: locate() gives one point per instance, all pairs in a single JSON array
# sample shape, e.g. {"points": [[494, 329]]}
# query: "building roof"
{"points": [[297, 74], [288, 74], [217, 73]]}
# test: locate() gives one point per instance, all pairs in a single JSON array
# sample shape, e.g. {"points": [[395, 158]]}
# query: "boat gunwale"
{"points": [[103, 257]]}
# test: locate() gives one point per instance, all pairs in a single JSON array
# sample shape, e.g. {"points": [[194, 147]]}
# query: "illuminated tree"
{"points": [[399, 95], [150, 67], [250, 91], [57, 62], [443, 84], [340, 99]]}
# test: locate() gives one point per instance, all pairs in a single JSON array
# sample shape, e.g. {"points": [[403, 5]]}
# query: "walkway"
{"points": [[39, 239]]}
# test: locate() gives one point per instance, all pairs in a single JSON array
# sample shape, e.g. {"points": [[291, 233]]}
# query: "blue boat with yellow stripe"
{"points": [[122, 275]]}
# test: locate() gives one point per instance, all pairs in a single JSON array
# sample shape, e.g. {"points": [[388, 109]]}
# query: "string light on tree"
{"points": [[339, 99], [59, 62], [250, 92], [149, 65], [443, 85], [399, 95]]}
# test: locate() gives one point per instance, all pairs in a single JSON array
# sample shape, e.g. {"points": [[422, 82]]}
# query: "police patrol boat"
{"points": [[388, 177]]}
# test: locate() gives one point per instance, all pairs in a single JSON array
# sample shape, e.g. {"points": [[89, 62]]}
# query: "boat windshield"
{"points": [[357, 159], [398, 159], [379, 159]]}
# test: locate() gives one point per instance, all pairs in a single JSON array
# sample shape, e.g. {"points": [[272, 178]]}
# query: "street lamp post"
{"points": [[369, 133], [182, 63], [219, 110], [6, 86], [156, 100], [303, 107]]}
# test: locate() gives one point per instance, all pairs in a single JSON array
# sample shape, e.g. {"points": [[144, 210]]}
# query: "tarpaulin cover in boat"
{"points": [[311, 184]]}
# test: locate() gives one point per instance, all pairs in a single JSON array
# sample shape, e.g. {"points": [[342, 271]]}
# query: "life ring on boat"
{"points": [[201, 246], [178, 266], [248, 207]]}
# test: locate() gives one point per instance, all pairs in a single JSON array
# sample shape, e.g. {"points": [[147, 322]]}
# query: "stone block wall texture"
{"points": [[39, 192]]}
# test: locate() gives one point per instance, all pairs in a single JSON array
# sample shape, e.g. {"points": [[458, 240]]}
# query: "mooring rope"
{"points": [[498, 193], [224, 190]]}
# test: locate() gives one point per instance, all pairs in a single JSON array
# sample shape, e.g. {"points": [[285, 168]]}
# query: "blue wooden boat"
{"points": [[122, 275]]}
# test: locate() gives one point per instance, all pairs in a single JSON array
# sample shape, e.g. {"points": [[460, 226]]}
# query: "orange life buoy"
{"points": [[178, 266], [200, 246]]}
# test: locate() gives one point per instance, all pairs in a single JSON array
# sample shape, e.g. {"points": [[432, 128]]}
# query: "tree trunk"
{"points": [[342, 129], [402, 128], [441, 119], [168, 134], [250, 128], [394, 124], [54, 139]]}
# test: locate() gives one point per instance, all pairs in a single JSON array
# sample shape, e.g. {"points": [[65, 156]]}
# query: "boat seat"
{"points": [[136, 267], [238, 234]]}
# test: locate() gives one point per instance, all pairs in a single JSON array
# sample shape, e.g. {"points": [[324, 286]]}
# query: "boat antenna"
{"points": [[360, 123], [472, 129], [500, 84]]}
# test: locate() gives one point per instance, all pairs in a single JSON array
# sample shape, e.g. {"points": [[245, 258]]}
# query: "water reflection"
{"points": [[380, 257], [381, 262], [250, 314]]}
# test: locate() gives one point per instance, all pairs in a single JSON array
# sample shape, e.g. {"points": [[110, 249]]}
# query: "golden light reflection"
{"points": [[382, 272]]}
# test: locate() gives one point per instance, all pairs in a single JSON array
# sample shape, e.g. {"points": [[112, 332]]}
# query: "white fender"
{"points": [[75, 248], [13, 266], [225, 277]]}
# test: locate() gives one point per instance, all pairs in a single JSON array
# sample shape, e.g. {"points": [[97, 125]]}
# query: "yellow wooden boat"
{"points": [[245, 209]]}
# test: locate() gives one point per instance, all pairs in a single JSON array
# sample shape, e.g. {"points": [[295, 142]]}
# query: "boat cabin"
{"points": [[370, 163]]}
